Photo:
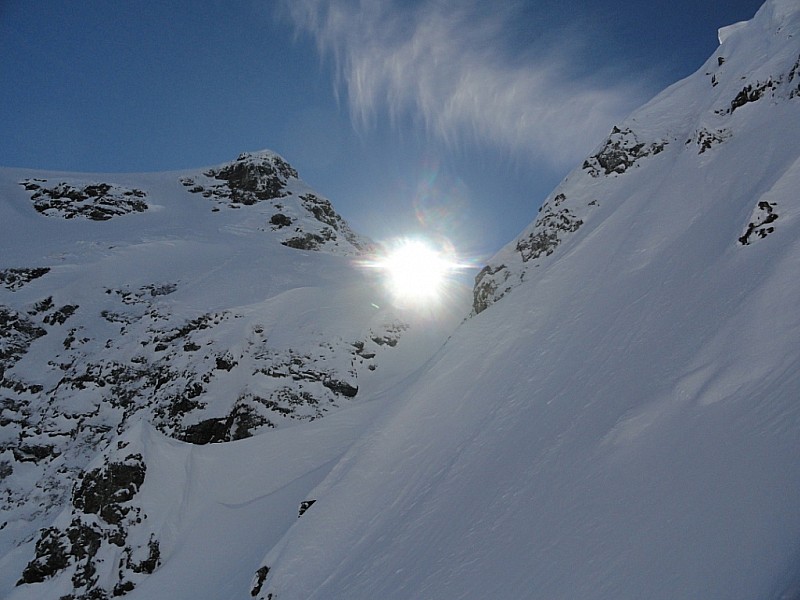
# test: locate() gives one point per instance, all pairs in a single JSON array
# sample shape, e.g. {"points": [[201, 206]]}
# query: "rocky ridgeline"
{"points": [[251, 179], [557, 220], [561, 215], [302, 219]]}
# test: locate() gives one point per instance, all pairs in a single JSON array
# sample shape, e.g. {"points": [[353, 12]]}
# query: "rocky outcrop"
{"points": [[17, 333], [251, 178], [760, 225], [259, 579], [548, 230], [304, 506], [95, 532], [786, 85], [621, 151], [705, 139], [14, 279], [135, 359], [487, 283], [94, 201]]}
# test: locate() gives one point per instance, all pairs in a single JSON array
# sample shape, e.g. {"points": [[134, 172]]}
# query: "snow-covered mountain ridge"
{"points": [[619, 417], [211, 305], [692, 125]]}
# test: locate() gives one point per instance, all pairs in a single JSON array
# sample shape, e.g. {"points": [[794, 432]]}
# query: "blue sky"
{"points": [[455, 118]]}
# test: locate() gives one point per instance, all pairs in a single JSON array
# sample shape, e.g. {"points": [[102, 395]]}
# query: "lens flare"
{"points": [[415, 271]]}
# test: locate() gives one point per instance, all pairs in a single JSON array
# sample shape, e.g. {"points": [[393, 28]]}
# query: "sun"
{"points": [[415, 271]]}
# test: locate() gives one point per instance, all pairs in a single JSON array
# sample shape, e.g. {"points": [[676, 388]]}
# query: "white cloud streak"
{"points": [[445, 64]]}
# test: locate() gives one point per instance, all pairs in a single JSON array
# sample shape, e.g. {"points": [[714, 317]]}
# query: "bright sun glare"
{"points": [[415, 271]]}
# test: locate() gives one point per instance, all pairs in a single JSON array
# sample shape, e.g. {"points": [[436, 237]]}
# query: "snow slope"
{"points": [[621, 417]]}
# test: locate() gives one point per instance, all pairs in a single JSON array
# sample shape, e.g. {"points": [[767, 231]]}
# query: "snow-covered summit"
{"points": [[264, 176]]}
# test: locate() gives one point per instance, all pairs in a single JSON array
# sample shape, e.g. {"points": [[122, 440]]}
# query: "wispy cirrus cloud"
{"points": [[445, 66]]}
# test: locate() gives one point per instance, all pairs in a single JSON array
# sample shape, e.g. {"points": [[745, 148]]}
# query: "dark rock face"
{"points": [[621, 151], [103, 491], [80, 548], [751, 93], [95, 201], [340, 387], [304, 506], [260, 178], [546, 235], [150, 563], [60, 316], [388, 337], [323, 211], [50, 558], [548, 229], [280, 220], [125, 357], [57, 549], [760, 225], [794, 74], [17, 333], [14, 279], [261, 576], [252, 178], [557, 220], [307, 241], [210, 431], [788, 82], [34, 452]]}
